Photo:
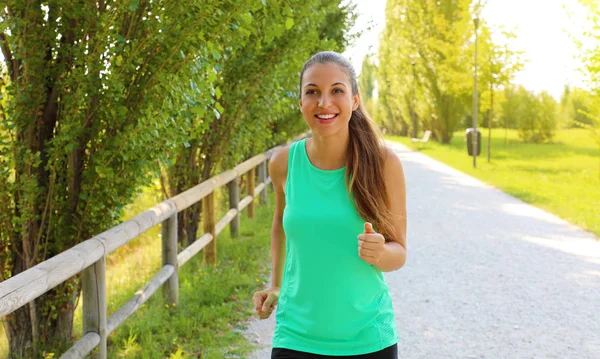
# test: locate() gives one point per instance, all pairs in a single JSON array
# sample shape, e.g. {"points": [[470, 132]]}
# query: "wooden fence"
{"points": [[89, 256]]}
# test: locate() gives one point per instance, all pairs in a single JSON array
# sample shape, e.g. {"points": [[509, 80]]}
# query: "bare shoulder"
{"points": [[392, 165], [278, 165]]}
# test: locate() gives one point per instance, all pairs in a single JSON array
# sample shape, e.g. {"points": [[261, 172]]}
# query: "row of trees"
{"points": [[99, 97], [537, 116], [423, 76], [425, 72]]}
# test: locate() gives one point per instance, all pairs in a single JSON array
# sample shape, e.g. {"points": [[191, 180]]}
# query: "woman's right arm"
{"points": [[266, 300], [278, 171]]}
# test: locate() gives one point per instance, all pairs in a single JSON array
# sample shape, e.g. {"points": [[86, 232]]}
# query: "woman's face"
{"points": [[326, 99]]}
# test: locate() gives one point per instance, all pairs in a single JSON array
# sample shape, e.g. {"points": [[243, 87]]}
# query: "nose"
{"points": [[324, 101]]}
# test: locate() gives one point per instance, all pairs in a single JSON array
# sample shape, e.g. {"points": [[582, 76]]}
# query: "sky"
{"points": [[542, 34]]}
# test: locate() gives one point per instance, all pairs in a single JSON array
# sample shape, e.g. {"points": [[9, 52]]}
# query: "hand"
{"points": [[371, 245], [265, 301]]}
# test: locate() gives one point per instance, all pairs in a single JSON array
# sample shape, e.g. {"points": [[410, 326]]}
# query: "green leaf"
{"points": [[218, 93], [198, 110], [212, 77], [289, 23], [219, 107]]}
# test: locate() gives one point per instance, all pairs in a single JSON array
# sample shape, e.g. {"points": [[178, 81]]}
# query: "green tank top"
{"points": [[331, 301]]}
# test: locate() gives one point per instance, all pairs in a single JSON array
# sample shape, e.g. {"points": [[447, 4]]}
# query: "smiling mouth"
{"points": [[326, 118]]}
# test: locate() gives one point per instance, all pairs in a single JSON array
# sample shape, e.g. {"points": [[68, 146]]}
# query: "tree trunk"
{"points": [[489, 154], [47, 322], [183, 175], [18, 324], [18, 332], [403, 128], [55, 318]]}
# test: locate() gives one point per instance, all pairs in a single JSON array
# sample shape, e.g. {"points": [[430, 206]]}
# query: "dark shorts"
{"points": [[282, 353]]}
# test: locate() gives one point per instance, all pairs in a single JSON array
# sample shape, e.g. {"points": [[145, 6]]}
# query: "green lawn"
{"points": [[562, 177]]}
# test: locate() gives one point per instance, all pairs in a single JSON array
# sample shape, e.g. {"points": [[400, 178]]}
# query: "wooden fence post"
{"points": [[94, 303], [208, 211], [262, 175], [234, 201], [169, 256], [250, 190]]}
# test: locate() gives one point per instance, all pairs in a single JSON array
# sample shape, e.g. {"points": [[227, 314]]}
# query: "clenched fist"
{"points": [[371, 245], [265, 301]]}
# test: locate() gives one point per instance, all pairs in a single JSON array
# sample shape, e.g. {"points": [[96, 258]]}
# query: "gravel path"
{"points": [[487, 275]]}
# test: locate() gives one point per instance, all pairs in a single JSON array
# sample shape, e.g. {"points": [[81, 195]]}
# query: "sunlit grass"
{"points": [[562, 177], [3, 343]]}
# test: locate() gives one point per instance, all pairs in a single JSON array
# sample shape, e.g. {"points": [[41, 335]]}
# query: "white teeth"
{"points": [[326, 117]]}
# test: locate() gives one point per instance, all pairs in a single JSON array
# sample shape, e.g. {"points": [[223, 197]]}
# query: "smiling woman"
{"points": [[325, 100], [338, 224]]}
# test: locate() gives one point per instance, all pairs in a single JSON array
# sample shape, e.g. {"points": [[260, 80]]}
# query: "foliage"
{"points": [[253, 105], [426, 64], [255, 98], [498, 63], [535, 116], [575, 104], [424, 52], [366, 85], [591, 59], [96, 94]]}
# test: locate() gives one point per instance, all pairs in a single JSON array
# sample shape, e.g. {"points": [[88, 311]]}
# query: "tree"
{"points": [[426, 64], [591, 57], [498, 65], [95, 94], [548, 117], [535, 116], [434, 36], [257, 82], [366, 84], [575, 106], [76, 76]]}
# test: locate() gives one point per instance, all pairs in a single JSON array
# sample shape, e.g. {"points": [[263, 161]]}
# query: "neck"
{"points": [[328, 152]]}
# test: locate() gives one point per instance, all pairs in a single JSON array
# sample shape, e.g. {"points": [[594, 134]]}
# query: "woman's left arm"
{"points": [[394, 255]]}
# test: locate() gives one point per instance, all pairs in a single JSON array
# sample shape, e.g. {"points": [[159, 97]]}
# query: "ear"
{"points": [[300, 102], [355, 101]]}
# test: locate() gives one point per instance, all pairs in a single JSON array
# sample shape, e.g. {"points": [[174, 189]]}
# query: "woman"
{"points": [[340, 221]]}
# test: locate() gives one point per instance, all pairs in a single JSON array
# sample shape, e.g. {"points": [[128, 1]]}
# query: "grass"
{"points": [[562, 177], [214, 301], [3, 343]]}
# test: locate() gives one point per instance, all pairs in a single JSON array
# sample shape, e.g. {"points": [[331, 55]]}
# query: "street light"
{"points": [[475, 110], [412, 105]]}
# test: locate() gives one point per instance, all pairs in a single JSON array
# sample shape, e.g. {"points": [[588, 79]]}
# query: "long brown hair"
{"points": [[366, 155]]}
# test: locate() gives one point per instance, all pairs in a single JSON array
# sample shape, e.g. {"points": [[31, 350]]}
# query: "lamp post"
{"points": [[412, 105], [475, 110]]}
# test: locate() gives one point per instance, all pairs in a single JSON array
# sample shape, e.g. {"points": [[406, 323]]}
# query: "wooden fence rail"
{"points": [[89, 256]]}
